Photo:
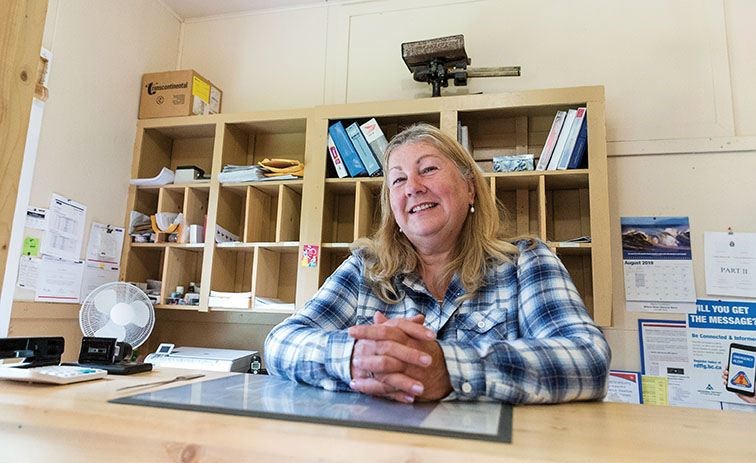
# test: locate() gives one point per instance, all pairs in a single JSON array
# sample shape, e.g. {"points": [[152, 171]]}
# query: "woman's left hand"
{"points": [[398, 359]]}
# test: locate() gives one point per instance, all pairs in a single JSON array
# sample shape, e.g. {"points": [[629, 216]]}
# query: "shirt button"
{"points": [[466, 388], [481, 324]]}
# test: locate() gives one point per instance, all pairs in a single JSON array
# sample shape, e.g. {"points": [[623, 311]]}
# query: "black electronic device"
{"points": [[36, 351], [741, 369], [109, 354], [435, 61]]}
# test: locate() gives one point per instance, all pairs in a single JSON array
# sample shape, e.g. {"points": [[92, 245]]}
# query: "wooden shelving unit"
{"points": [[275, 219]]}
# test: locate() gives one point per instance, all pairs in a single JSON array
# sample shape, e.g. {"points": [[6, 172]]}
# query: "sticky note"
{"points": [[31, 246]]}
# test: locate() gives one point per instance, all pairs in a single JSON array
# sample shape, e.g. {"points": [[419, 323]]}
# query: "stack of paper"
{"points": [[271, 304], [163, 178], [232, 174], [229, 300]]}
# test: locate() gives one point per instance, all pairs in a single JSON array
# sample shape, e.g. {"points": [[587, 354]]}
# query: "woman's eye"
{"points": [[397, 180], [428, 169]]}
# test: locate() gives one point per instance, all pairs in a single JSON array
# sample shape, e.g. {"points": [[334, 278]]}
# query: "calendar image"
{"points": [[658, 264]]}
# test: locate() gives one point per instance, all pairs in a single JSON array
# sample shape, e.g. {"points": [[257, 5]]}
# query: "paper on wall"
{"points": [[96, 275], [658, 264], [28, 270], [105, 245], [35, 218], [59, 280], [730, 264], [65, 228]]}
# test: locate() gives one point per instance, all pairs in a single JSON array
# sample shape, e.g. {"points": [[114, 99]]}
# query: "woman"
{"points": [[437, 306]]}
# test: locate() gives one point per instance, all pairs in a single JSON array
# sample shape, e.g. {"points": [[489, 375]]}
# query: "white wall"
{"points": [[678, 76]]}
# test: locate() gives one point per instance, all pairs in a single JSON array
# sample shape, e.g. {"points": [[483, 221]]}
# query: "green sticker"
{"points": [[31, 246]]}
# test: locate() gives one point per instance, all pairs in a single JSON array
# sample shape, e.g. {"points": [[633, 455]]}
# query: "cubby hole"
{"points": [[274, 278], [390, 126], [146, 200], [273, 213], [145, 263], [195, 206], [338, 212], [182, 268], [568, 214], [578, 264], [249, 142], [170, 147], [518, 197], [231, 210], [232, 270], [367, 207], [508, 131]]}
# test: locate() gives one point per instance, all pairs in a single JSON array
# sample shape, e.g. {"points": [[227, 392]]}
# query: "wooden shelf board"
{"points": [[177, 307]]}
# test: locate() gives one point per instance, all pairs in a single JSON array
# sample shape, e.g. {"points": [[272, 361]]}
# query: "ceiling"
{"points": [[188, 9]]}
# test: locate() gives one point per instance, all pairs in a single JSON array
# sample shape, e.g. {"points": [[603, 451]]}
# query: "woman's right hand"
{"points": [[398, 359]]}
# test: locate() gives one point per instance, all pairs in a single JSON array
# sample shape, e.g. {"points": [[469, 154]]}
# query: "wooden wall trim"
{"points": [[21, 27]]}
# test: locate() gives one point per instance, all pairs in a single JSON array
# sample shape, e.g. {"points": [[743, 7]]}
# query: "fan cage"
{"points": [[91, 319]]}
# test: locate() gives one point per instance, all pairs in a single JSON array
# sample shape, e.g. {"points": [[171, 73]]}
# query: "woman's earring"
{"points": [[401, 231], [472, 209]]}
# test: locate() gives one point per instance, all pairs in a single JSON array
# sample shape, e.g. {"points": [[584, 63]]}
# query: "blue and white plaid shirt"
{"points": [[524, 338]]}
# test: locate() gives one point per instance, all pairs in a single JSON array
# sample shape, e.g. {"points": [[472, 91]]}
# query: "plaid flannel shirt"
{"points": [[525, 337]]}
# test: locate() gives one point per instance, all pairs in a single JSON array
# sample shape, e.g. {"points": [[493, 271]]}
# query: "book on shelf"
{"points": [[349, 155], [551, 140], [581, 147], [336, 161], [363, 149], [562, 140], [463, 137], [577, 124], [375, 138]]}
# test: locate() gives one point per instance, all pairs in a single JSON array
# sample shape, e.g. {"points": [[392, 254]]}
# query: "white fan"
{"points": [[117, 310]]}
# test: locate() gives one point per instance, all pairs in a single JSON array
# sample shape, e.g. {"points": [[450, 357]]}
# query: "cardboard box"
{"points": [[178, 93]]}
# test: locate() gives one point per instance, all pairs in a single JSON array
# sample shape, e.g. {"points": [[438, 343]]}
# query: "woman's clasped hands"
{"points": [[398, 359]]}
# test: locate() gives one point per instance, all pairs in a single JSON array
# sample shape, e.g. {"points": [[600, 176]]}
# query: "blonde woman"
{"points": [[437, 305]]}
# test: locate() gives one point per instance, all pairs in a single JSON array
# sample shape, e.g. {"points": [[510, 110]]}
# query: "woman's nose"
{"points": [[414, 185]]}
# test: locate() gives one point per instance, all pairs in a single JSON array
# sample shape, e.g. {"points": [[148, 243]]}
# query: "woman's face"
{"points": [[429, 197]]}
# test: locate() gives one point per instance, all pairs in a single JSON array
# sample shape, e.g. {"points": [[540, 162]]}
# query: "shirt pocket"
{"points": [[489, 323]]}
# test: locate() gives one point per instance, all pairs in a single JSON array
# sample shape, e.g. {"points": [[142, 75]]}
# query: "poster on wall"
{"points": [[658, 264], [723, 338], [665, 363], [730, 264]]}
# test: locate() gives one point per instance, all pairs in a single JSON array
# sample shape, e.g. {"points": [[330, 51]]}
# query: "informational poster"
{"points": [[730, 264], [664, 356], [59, 280], [65, 228], [664, 345], [658, 264], [712, 329], [625, 387], [105, 245]]}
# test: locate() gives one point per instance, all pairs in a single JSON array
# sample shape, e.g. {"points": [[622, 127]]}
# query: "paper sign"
{"points": [[730, 264]]}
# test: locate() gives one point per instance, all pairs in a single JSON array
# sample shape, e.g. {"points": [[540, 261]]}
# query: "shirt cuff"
{"points": [[465, 369], [338, 355]]}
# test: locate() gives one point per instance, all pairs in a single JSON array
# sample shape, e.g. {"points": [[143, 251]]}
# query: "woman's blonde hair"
{"points": [[479, 247]]}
